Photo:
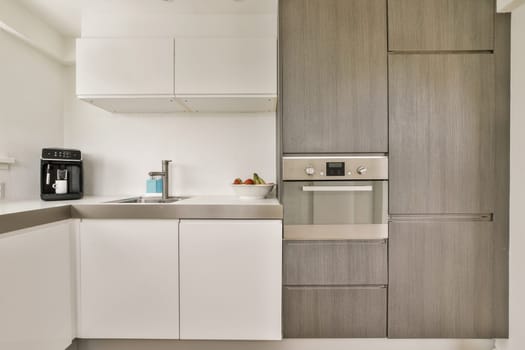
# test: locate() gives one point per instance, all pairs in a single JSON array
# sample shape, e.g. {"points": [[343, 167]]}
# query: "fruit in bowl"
{"points": [[254, 188]]}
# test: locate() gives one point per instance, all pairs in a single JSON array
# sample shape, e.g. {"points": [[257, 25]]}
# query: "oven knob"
{"points": [[362, 170], [309, 171]]}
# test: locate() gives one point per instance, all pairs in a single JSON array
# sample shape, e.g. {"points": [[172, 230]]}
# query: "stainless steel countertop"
{"points": [[19, 215]]}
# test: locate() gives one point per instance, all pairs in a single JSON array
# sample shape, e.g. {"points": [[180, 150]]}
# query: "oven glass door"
{"points": [[335, 209]]}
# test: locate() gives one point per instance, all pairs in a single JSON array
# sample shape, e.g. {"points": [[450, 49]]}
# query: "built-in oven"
{"points": [[335, 197]]}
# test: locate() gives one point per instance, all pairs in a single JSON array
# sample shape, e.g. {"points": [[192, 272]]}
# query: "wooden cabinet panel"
{"points": [[335, 263], [502, 165], [442, 277], [334, 76], [334, 312], [441, 25], [129, 279], [442, 111]]}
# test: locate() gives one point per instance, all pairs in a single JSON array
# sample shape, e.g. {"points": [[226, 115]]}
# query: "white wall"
{"points": [[31, 98], [517, 185], [208, 151], [509, 5], [31, 29], [117, 18]]}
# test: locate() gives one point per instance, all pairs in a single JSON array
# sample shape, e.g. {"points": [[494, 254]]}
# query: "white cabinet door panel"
{"points": [[129, 279], [215, 66], [37, 288], [125, 66], [230, 279]]}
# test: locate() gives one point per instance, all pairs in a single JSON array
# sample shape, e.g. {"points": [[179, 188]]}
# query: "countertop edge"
{"points": [[10, 222], [180, 211], [25, 219]]}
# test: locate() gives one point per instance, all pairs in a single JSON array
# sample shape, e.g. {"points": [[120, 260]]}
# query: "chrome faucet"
{"points": [[165, 174]]}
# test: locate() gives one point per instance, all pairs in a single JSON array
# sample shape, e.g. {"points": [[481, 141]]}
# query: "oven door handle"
{"points": [[337, 188]]}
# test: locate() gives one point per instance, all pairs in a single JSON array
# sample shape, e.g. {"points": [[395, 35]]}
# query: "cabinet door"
{"points": [[214, 66], [129, 279], [442, 112], [335, 263], [124, 66], [36, 292], [230, 279], [334, 312], [334, 76], [441, 25], [442, 281]]}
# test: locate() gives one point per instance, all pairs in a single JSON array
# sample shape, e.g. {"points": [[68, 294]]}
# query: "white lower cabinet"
{"points": [[129, 279], [230, 279], [126, 273], [37, 288]]}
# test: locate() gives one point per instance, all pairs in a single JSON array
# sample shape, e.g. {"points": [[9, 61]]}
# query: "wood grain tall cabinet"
{"points": [[334, 76], [448, 149], [428, 83]]}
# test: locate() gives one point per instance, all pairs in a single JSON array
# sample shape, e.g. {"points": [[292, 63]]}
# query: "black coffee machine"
{"points": [[61, 176]]}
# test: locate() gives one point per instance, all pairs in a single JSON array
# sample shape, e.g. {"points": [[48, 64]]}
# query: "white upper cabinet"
{"points": [[226, 74], [137, 66], [127, 74], [226, 66], [193, 74]]}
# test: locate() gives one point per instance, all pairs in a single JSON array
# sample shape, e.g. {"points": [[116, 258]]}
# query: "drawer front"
{"points": [[334, 312], [335, 263]]}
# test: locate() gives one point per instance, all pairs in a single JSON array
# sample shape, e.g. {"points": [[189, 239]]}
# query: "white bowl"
{"points": [[252, 191]]}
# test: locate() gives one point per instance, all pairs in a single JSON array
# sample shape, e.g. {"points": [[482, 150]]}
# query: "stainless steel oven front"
{"points": [[335, 197]]}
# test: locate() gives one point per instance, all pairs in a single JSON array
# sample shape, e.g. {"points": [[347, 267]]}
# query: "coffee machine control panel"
{"points": [[61, 154]]}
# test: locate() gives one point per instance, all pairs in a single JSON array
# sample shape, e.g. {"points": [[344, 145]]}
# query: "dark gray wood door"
{"points": [[442, 118], [334, 76], [334, 312], [441, 25], [335, 263], [442, 281]]}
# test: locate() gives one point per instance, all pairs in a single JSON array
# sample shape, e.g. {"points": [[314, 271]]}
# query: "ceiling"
{"points": [[66, 15], [63, 15]]}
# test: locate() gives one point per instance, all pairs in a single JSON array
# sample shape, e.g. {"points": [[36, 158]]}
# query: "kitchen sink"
{"points": [[148, 200]]}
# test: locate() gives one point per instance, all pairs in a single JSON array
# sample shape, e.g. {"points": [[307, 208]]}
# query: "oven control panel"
{"points": [[335, 168]]}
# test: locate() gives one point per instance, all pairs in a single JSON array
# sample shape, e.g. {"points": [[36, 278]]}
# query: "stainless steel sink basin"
{"points": [[147, 200]]}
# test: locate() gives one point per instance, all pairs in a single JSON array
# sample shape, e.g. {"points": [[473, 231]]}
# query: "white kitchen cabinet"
{"points": [[225, 66], [37, 288], [127, 74], [158, 75], [230, 279], [229, 103], [226, 74], [125, 66], [129, 279]]}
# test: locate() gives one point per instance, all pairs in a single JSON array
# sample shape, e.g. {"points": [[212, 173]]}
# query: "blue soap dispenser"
{"points": [[151, 185]]}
